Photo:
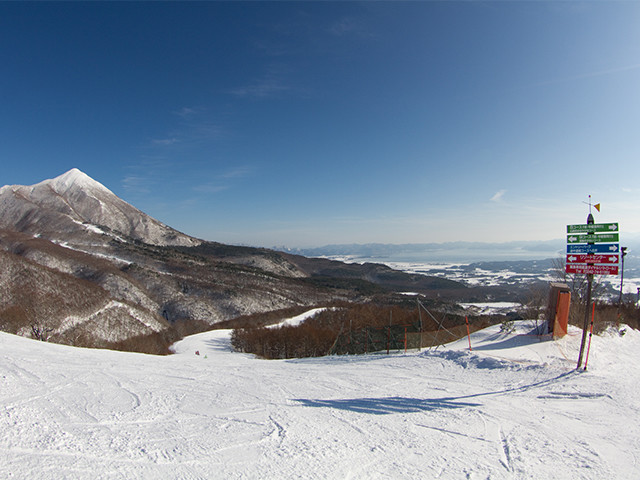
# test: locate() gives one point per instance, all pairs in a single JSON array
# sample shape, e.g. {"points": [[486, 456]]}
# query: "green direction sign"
{"points": [[591, 228], [593, 238]]}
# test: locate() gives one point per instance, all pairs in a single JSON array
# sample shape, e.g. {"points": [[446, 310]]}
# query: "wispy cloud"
{"points": [[224, 180], [147, 174], [597, 73], [188, 134], [264, 88], [188, 112], [164, 142], [348, 26], [210, 188], [271, 84], [135, 183], [497, 197], [238, 172]]}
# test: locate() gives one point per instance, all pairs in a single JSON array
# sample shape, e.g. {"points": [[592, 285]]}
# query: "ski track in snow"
{"points": [[513, 408]]}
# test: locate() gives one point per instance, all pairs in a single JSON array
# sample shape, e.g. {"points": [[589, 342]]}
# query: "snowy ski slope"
{"points": [[513, 408]]}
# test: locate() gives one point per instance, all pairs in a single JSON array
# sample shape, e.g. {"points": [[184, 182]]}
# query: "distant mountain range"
{"points": [[442, 252], [456, 252]]}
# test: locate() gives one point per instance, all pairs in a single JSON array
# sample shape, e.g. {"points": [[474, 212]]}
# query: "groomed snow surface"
{"points": [[514, 407]]}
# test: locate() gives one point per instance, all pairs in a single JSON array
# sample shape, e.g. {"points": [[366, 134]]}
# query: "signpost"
{"points": [[593, 258], [599, 248], [592, 249], [595, 227], [592, 269], [592, 238]]}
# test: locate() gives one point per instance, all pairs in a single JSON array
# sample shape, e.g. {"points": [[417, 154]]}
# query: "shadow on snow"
{"points": [[387, 405]]}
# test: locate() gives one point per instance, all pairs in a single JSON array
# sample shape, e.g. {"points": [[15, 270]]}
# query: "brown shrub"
{"points": [[354, 328]]}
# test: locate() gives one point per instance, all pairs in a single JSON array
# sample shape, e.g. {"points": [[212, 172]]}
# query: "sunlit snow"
{"points": [[513, 407]]}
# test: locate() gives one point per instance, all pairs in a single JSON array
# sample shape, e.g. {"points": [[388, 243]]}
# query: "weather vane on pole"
{"points": [[596, 206]]}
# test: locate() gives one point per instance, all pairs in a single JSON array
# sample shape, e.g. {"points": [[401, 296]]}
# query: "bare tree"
{"points": [[577, 283], [40, 333]]}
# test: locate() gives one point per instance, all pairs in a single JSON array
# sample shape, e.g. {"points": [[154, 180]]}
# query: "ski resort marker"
{"points": [[599, 248], [593, 238], [592, 228], [588, 269], [593, 258]]}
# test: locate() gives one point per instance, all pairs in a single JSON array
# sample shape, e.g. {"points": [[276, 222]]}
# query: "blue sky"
{"points": [[310, 123]]}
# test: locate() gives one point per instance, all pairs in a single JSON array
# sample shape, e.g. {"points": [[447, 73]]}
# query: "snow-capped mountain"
{"points": [[74, 203], [89, 269]]}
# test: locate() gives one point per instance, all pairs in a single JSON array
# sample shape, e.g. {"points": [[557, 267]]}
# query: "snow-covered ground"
{"points": [[514, 407]]}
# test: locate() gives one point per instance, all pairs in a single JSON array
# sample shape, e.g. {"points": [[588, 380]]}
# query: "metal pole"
{"points": [[624, 253]]}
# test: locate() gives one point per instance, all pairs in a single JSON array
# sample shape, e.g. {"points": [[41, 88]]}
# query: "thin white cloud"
{"points": [[135, 183], [269, 85], [497, 197], [238, 172], [222, 181], [210, 188], [188, 112], [163, 142], [188, 134], [348, 26], [264, 88], [598, 73]]}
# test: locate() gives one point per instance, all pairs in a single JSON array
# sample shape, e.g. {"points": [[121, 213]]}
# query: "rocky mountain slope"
{"points": [[89, 269]]}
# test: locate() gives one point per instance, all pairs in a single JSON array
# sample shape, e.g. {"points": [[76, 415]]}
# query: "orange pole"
{"points": [[468, 334]]}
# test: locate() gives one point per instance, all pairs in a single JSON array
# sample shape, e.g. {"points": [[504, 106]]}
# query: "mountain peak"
{"points": [[63, 206], [75, 177]]}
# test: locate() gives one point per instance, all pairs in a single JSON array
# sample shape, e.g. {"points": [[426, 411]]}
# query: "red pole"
{"points": [[593, 314], [468, 334]]}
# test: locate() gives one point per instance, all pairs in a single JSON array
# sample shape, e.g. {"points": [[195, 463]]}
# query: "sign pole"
{"points": [[585, 327], [588, 255]]}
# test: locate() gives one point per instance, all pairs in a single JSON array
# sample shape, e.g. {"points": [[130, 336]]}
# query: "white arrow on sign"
{"points": [[613, 226], [613, 248], [572, 258], [613, 259], [573, 239]]}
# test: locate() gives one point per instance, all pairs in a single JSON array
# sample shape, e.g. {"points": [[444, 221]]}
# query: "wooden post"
{"points": [[388, 338], [366, 340], [405, 339], [466, 319]]}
